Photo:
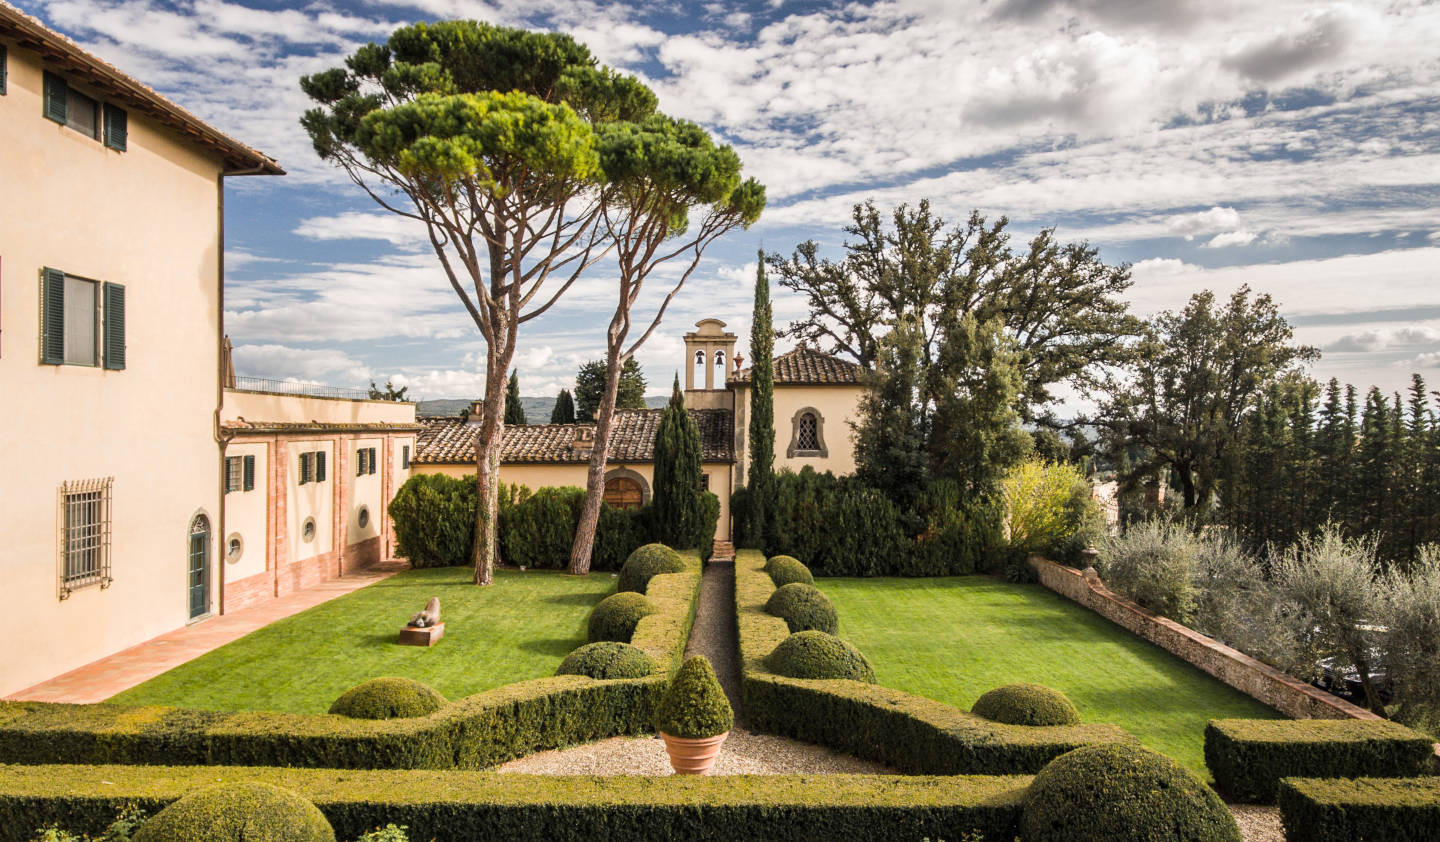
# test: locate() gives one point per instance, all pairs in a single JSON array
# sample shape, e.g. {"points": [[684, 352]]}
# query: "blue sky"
{"points": [[1294, 146]]}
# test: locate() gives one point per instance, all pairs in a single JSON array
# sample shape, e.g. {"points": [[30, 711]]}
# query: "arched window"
{"points": [[720, 361], [625, 489], [199, 566], [807, 434]]}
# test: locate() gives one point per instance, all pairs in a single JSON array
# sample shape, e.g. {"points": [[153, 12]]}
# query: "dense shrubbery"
{"points": [[608, 660], [239, 812], [785, 570], [1026, 704], [1049, 510], [694, 705], [1372, 809], [815, 654], [1248, 757], [1122, 793], [957, 539], [803, 608], [645, 563], [616, 616], [466, 806], [434, 518], [388, 698]]}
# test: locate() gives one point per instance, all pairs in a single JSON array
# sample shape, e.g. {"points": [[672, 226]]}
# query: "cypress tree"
{"points": [[1374, 457], [762, 410], [677, 505], [514, 412], [564, 411]]}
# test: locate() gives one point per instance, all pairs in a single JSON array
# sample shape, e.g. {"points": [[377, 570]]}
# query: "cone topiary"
{"points": [[647, 562], [616, 616], [815, 654], [694, 705], [608, 659], [785, 570], [388, 698], [1026, 704], [238, 812], [803, 608], [1122, 793]]}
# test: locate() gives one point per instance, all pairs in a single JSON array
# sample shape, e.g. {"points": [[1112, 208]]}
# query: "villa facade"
{"points": [[816, 398]]}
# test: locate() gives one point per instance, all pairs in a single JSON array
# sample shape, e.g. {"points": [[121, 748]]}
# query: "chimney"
{"points": [[473, 413], [584, 440]]}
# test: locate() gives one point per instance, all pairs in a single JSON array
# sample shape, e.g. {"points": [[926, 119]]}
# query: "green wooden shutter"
{"points": [[52, 317], [117, 127], [114, 326], [249, 484], [4, 65], [57, 92], [305, 467], [405, 456], [319, 466]]}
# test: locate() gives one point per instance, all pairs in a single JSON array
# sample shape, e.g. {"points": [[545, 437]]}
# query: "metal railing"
{"points": [[295, 387]]}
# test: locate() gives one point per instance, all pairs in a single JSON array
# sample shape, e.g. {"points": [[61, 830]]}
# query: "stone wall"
{"points": [[1289, 695]]}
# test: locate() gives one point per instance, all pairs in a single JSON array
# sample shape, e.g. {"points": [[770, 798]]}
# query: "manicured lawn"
{"points": [[517, 629], [952, 639]]}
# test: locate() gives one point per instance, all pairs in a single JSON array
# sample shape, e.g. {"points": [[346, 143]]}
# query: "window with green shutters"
{"points": [[405, 457], [234, 470], [56, 98], [109, 123], [307, 467], [82, 322], [364, 461]]}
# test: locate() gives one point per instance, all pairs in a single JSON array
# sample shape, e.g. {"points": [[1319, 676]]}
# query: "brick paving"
{"points": [[98, 681]]}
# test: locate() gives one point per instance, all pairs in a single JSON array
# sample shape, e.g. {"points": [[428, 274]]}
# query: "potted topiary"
{"points": [[694, 718]]}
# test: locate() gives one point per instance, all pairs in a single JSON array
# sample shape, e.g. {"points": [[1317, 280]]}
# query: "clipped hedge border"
{"points": [[1373, 809], [1248, 757], [471, 733], [456, 806], [911, 733]]}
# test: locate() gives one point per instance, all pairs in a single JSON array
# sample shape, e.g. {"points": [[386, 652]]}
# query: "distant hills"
{"points": [[537, 410]]}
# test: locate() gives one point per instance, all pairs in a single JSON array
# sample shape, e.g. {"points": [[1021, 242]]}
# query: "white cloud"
{"points": [[282, 362], [1217, 219], [392, 228], [1231, 238], [1379, 339]]}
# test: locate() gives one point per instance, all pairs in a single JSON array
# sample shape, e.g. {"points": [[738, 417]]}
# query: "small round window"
{"points": [[364, 517], [307, 530], [234, 547]]}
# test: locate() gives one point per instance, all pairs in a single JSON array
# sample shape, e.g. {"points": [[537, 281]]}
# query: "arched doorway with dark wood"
{"points": [[626, 489]]}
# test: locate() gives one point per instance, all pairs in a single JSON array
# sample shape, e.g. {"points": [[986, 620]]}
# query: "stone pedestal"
{"points": [[410, 636]]}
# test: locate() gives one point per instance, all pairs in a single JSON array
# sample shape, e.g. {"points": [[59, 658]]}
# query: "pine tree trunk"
{"points": [[583, 547], [488, 447]]}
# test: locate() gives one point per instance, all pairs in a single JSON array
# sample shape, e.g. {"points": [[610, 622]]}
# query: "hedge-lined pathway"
{"points": [[745, 752], [98, 681]]}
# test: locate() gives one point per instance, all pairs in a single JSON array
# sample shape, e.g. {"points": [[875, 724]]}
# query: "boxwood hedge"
{"points": [[1248, 757], [911, 733], [471, 733], [1372, 809], [455, 806]]}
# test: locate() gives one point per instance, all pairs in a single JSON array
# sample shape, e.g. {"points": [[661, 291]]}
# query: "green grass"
{"points": [[517, 629], [952, 639]]}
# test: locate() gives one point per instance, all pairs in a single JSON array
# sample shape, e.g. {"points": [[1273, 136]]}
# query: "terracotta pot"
{"points": [[693, 755]]}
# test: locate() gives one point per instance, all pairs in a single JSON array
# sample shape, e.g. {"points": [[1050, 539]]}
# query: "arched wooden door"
{"points": [[623, 493]]}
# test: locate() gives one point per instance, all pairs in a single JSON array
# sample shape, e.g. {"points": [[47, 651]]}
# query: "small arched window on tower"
{"points": [[720, 362], [807, 434]]}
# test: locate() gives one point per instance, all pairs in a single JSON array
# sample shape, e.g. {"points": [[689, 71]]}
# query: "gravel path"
{"points": [[1257, 823], [714, 634]]}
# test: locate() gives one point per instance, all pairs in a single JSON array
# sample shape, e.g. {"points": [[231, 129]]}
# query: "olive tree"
{"points": [[488, 138], [670, 192]]}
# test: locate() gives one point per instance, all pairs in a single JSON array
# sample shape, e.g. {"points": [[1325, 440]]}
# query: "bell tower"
{"points": [[710, 349]]}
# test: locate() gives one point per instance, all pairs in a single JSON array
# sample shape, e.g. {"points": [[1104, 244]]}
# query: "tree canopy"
{"points": [[590, 387], [564, 411]]}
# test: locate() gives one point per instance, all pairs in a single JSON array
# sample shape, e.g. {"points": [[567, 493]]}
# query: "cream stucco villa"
{"points": [[816, 398], [138, 493]]}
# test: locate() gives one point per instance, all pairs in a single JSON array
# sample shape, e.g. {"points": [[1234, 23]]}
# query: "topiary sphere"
{"points": [[779, 558], [1122, 793], [608, 659], [803, 608], [646, 563], [1026, 704], [615, 617], [815, 654], [785, 570], [238, 812], [388, 698], [694, 705]]}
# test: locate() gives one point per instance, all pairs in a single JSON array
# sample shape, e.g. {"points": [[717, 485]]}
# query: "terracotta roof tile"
{"points": [[240, 426], [806, 366], [632, 439]]}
